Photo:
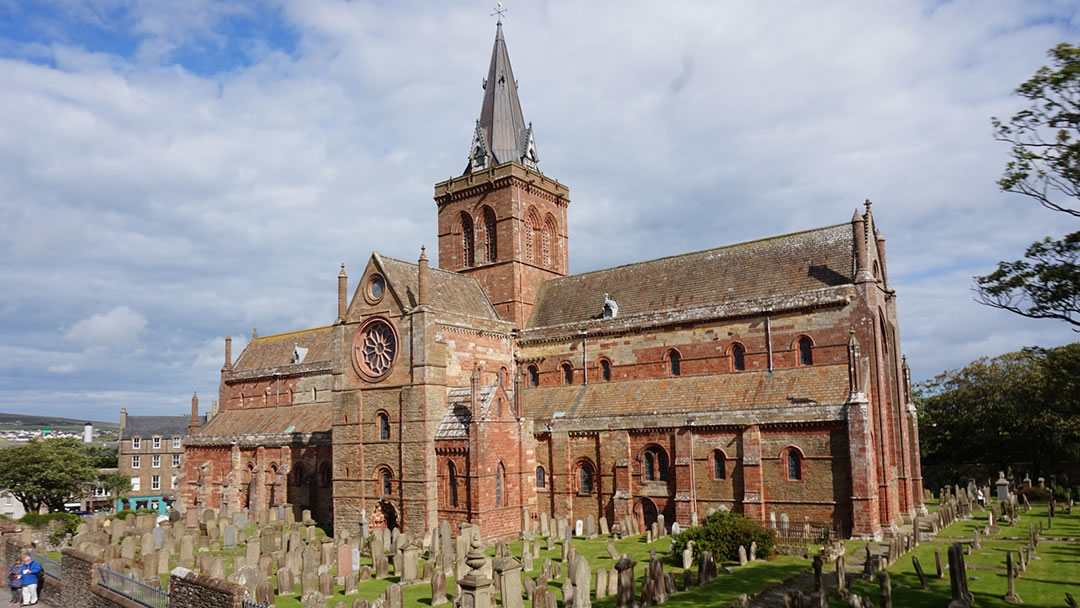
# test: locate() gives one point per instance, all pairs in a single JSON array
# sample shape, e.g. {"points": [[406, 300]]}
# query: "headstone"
{"points": [[919, 573], [604, 529], [613, 553], [742, 555], [1010, 596], [410, 557], [326, 584], [252, 552], [958, 578], [590, 526], [158, 535], [937, 562], [446, 548], [217, 568], [580, 575], [841, 573], [508, 570], [187, 549], [886, 589], [344, 560], [753, 550], [818, 564], [382, 567], [675, 528], [127, 548], [624, 597], [285, 585], [601, 583], [438, 588]]}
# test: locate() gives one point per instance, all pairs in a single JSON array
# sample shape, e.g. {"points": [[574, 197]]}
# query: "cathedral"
{"points": [[764, 377]]}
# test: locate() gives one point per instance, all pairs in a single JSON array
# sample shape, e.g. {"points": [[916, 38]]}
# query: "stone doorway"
{"points": [[389, 514], [645, 513]]}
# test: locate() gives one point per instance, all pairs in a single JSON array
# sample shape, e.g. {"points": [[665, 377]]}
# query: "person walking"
{"points": [[15, 583], [31, 572]]}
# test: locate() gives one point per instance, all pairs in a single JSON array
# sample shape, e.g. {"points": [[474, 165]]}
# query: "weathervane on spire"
{"points": [[499, 10]]}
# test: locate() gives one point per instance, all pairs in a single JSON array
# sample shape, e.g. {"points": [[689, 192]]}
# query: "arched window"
{"points": [[489, 235], [541, 478], [468, 251], [585, 477], [499, 474], [738, 357], [548, 244], [325, 475], [719, 465], [502, 377], [806, 351], [567, 373], [532, 229], [794, 465], [605, 370], [451, 483], [385, 477], [384, 427], [656, 464], [884, 335], [298, 475], [674, 362], [534, 376]]}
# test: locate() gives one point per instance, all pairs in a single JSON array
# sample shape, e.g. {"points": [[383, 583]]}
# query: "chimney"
{"points": [[228, 353], [474, 383], [342, 294], [214, 406], [422, 279], [254, 333], [519, 390], [123, 418], [858, 228], [193, 425]]}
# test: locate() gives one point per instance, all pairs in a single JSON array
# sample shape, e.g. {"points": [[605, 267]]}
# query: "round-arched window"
{"points": [[375, 347], [605, 370], [738, 357], [568, 373], [384, 427]]}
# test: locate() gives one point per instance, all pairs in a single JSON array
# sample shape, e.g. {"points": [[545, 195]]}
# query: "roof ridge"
{"points": [[700, 251], [289, 333], [414, 264]]}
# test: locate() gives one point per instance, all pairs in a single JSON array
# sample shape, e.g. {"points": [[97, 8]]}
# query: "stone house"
{"points": [[150, 450]]}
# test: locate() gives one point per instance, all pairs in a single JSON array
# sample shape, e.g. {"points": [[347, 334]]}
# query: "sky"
{"points": [[171, 172]]}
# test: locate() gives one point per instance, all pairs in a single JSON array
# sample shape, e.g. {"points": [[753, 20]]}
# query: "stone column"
{"points": [[625, 596], [753, 483], [866, 522]]}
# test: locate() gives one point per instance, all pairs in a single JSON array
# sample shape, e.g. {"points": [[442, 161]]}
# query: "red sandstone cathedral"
{"points": [[763, 377]]}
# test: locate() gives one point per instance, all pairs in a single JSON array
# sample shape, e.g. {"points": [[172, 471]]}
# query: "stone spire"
{"points": [[501, 134], [193, 424]]}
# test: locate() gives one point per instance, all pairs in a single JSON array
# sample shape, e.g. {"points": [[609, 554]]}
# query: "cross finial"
{"points": [[868, 203], [499, 10]]}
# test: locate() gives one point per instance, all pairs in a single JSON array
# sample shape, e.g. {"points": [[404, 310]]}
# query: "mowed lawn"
{"points": [[1044, 583]]}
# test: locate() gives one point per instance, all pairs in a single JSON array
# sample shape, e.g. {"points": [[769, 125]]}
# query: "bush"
{"points": [[723, 533], [1061, 493], [40, 520], [1034, 494]]}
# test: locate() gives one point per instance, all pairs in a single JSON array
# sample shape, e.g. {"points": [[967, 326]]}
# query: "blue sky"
{"points": [[174, 171]]}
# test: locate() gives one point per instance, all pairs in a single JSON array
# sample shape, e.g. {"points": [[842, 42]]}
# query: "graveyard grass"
{"points": [[750, 579], [1044, 583]]}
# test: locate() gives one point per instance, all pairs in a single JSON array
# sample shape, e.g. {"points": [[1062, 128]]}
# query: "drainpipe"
{"points": [[768, 337], [584, 355], [693, 477]]}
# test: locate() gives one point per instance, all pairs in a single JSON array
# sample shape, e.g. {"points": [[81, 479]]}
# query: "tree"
{"points": [[101, 457], [1044, 165], [116, 484], [46, 472], [1018, 407]]}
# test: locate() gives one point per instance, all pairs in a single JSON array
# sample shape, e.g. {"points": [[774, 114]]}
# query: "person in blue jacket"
{"points": [[31, 573], [15, 582]]}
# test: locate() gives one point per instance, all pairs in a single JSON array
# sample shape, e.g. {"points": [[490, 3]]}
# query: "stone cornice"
{"points": [[269, 373], [259, 440]]}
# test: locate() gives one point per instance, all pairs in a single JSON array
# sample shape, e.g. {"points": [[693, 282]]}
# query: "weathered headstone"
{"points": [[937, 562], [285, 585], [841, 573], [624, 597], [1010, 596], [886, 589], [508, 570], [742, 555], [580, 576], [601, 583], [919, 573], [438, 588], [604, 529]]}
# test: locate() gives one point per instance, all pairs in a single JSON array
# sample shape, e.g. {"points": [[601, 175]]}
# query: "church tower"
{"points": [[503, 221]]}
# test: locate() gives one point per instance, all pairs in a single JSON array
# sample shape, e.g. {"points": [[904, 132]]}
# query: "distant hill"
{"points": [[31, 422]]}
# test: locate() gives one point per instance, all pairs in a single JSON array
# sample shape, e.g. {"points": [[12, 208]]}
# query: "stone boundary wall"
{"points": [[79, 586]]}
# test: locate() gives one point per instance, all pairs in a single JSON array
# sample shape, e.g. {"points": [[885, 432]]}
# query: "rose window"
{"points": [[375, 347]]}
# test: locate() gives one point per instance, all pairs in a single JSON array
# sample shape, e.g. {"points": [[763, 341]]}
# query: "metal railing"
{"points": [[50, 566], [805, 533], [246, 603], [135, 590]]}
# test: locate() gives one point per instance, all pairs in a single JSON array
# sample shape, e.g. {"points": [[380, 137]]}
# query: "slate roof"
{"points": [[448, 291], [309, 418], [778, 266], [165, 426], [455, 423], [501, 130], [277, 350], [814, 385]]}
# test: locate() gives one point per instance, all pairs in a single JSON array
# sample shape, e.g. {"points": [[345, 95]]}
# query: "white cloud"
{"points": [[120, 326], [218, 202]]}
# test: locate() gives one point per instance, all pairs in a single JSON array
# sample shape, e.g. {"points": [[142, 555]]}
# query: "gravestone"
{"points": [[753, 550], [604, 529], [127, 548], [158, 535], [438, 588], [624, 597], [508, 570], [187, 551], [382, 567], [961, 598], [818, 564], [613, 553], [675, 528], [446, 548], [344, 560], [742, 555], [841, 573], [590, 526], [886, 589], [937, 562], [580, 576], [351, 585], [217, 568], [285, 585], [601, 583], [1010, 596], [410, 558], [252, 552], [919, 573], [228, 536]]}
